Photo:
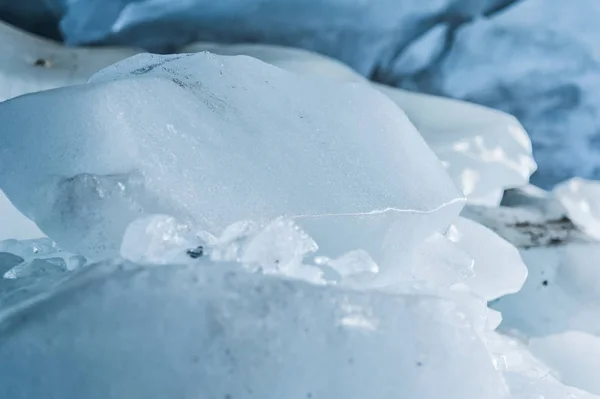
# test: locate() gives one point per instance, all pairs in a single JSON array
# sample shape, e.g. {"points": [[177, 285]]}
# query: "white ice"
{"points": [[333, 156]]}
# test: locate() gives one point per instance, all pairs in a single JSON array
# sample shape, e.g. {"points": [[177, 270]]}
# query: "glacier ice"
{"points": [[498, 267], [215, 155], [485, 151], [539, 61], [372, 273], [271, 336], [363, 34]]}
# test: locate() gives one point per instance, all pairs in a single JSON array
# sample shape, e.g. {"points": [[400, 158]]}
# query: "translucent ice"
{"points": [[335, 157], [484, 150], [498, 268], [213, 331]]}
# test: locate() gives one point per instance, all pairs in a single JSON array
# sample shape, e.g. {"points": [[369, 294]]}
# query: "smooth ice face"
{"points": [[336, 157], [484, 150], [498, 268], [245, 336]]}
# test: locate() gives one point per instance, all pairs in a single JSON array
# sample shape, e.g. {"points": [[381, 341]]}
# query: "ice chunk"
{"points": [[498, 267], [485, 151], [439, 264], [37, 267], [581, 200], [526, 376], [8, 261], [574, 356], [159, 239], [538, 60], [36, 258], [29, 63], [362, 34], [356, 264], [483, 180], [245, 335], [334, 157]]}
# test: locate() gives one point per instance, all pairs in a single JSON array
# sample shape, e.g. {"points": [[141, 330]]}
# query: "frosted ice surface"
{"points": [[245, 336], [573, 355], [581, 199], [476, 171], [335, 157], [485, 151]]}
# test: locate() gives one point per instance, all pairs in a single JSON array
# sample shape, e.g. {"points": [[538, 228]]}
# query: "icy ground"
{"points": [[219, 227]]}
